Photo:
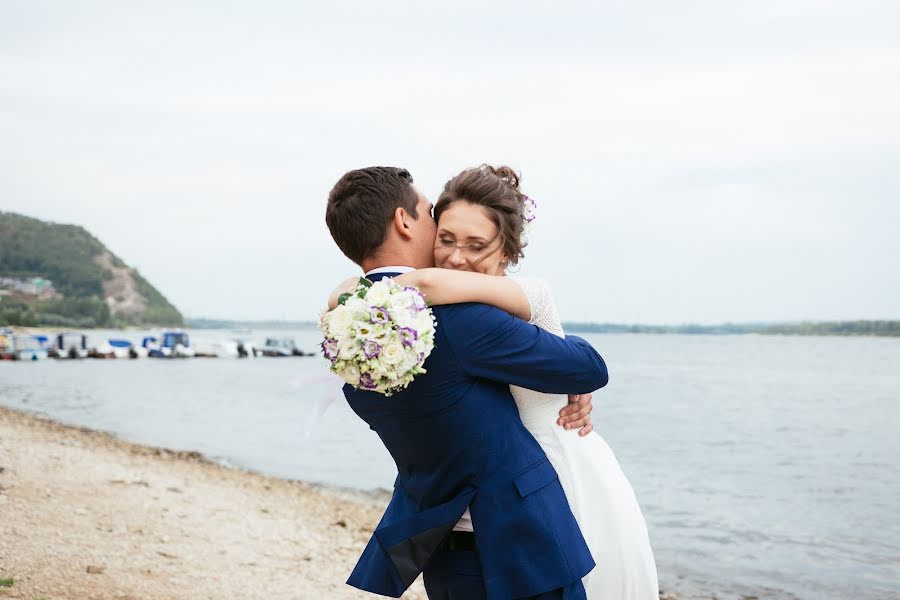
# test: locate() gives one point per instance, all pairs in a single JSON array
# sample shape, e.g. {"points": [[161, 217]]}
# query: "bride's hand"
{"points": [[577, 414], [346, 287]]}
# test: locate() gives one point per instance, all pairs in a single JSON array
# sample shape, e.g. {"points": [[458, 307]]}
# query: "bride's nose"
{"points": [[456, 258]]}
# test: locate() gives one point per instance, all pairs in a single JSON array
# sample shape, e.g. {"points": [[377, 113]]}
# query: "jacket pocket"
{"points": [[535, 477]]}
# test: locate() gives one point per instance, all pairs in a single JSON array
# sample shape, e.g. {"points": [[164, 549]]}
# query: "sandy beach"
{"points": [[85, 515]]}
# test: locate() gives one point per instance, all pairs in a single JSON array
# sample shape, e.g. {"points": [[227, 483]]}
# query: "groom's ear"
{"points": [[401, 223]]}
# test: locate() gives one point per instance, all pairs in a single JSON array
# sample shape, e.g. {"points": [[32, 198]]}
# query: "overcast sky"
{"points": [[694, 161]]}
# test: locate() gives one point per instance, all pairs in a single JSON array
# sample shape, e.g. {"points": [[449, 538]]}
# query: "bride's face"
{"points": [[467, 240]]}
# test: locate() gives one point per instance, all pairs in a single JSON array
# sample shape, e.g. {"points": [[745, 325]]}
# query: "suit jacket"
{"points": [[457, 440]]}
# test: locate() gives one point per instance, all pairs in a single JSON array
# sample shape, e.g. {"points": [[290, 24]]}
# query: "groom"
{"points": [[455, 432]]}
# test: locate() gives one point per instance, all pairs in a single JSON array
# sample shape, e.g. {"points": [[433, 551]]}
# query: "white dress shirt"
{"points": [[400, 270]]}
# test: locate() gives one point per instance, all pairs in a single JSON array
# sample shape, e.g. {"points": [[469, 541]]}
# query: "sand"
{"points": [[86, 515]]}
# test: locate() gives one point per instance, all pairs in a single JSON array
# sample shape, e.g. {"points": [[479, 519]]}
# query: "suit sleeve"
{"points": [[491, 344]]}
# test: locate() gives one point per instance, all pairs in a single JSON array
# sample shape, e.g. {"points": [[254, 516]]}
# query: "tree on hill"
{"points": [[68, 255]]}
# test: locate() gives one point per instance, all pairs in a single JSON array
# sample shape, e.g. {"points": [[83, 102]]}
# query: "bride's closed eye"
{"points": [[449, 243]]}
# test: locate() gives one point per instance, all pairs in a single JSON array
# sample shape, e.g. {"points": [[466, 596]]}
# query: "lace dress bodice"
{"points": [[538, 409]]}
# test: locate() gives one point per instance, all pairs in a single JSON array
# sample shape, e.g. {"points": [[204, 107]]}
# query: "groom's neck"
{"points": [[369, 266], [395, 260]]}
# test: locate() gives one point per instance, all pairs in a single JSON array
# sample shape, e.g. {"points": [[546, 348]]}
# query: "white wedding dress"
{"points": [[599, 494]]}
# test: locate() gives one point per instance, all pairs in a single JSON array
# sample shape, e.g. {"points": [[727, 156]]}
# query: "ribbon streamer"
{"points": [[331, 388]]}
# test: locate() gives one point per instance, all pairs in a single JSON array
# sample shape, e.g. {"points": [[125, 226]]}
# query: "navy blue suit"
{"points": [[457, 440]]}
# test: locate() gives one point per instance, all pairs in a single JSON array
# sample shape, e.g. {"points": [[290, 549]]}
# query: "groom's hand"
{"points": [[577, 414]]}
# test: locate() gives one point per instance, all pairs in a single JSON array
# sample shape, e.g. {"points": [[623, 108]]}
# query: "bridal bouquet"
{"points": [[378, 336]]}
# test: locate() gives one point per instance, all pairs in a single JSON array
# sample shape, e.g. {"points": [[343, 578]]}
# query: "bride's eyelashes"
{"points": [[450, 243]]}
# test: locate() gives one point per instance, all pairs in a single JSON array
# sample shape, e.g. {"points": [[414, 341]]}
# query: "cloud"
{"points": [[697, 161]]}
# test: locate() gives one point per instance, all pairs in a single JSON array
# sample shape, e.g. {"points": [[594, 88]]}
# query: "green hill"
{"points": [[61, 275]]}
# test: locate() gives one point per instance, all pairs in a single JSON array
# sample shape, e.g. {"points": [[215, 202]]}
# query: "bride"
{"points": [[481, 220]]}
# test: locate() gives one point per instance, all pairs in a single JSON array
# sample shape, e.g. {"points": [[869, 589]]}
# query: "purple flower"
{"points": [[408, 335], [378, 315], [418, 300], [528, 209], [366, 381], [330, 349], [371, 348]]}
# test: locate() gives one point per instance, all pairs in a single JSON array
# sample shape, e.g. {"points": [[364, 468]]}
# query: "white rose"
{"points": [[391, 353], [351, 374], [424, 323], [356, 304], [400, 302], [410, 360], [378, 293], [401, 318], [339, 321], [347, 348]]}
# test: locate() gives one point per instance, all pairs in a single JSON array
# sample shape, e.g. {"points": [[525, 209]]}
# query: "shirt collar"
{"points": [[400, 270]]}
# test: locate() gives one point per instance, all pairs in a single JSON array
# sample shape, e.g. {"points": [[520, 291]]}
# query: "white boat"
{"points": [[28, 347], [69, 345], [246, 348], [170, 344], [215, 348], [120, 348], [280, 347], [104, 350]]}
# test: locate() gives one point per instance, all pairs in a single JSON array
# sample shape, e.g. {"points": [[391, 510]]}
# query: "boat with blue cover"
{"points": [[170, 344], [28, 347]]}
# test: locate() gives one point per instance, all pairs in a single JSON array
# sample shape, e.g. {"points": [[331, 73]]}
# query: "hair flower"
{"points": [[529, 206]]}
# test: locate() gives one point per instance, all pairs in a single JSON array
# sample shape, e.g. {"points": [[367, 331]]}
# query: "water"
{"points": [[765, 466]]}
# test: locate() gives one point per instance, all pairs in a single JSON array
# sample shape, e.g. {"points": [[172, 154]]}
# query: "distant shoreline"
{"points": [[879, 328], [862, 328], [805, 328]]}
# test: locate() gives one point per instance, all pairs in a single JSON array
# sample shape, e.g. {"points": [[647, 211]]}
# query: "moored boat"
{"points": [[120, 348], [69, 345], [6, 345], [104, 350], [280, 347], [28, 347], [171, 344], [246, 348], [215, 348]]}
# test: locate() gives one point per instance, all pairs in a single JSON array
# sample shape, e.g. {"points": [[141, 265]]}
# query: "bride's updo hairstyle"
{"points": [[496, 189]]}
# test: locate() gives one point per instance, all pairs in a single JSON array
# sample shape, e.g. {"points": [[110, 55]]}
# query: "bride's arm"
{"points": [[446, 286], [348, 285]]}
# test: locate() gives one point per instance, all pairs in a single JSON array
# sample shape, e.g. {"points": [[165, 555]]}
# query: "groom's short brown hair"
{"points": [[361, 205]]}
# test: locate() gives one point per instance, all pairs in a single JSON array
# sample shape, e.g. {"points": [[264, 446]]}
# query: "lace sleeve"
{"points": [[543, 308]]}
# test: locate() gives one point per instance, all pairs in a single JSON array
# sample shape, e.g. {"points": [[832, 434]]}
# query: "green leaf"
{"points": [[343, 298], [365, 282]]}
